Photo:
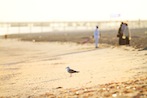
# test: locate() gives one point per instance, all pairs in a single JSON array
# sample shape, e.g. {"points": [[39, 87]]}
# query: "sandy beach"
{"points": [[38, 69]]}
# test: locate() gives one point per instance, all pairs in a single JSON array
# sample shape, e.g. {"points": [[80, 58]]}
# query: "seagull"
{"points": [[71, 71]]}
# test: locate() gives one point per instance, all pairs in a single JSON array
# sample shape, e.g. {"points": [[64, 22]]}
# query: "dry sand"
{"points": [[30, 69]]}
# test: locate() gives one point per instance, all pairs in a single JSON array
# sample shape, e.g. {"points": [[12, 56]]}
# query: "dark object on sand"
{"points": [[6, 36], [71, 71]]}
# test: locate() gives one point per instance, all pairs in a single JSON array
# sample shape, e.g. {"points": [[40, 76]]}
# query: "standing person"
{"points": [[96, 36], [119, 35], [127, 34], [123, 39]]}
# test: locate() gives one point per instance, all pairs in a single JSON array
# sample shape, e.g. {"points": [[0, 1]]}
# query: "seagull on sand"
{"points": [[71, 71]]}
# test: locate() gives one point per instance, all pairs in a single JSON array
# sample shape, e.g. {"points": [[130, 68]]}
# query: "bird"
{"points": [[69, 70]]}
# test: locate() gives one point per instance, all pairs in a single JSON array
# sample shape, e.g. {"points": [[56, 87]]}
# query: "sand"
{"points": [[38, 69]]}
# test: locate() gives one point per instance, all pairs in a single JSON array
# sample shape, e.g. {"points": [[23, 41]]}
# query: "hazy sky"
{"points": [[71, 10]]}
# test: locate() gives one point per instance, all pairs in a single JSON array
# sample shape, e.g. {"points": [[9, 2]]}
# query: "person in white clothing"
{"points": [[96, 36]]}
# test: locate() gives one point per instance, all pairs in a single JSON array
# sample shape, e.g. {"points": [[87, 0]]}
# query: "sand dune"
{"points": [[32, 69]]}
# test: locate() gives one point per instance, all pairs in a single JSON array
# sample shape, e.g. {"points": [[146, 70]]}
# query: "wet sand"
{"points": [[37, 69]]}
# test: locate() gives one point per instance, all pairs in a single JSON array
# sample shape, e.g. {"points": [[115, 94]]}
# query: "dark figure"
{"points": [[124, 34], [120, 34], [6, 36]]}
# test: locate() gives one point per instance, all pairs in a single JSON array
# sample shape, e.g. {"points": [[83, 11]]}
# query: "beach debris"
{"points": [[59, 87], [69, 70], [114, 95], [134, 88], [77, 93]]}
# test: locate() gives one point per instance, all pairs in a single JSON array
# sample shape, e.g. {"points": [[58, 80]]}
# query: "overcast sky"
{"points": [[72, 10]]}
